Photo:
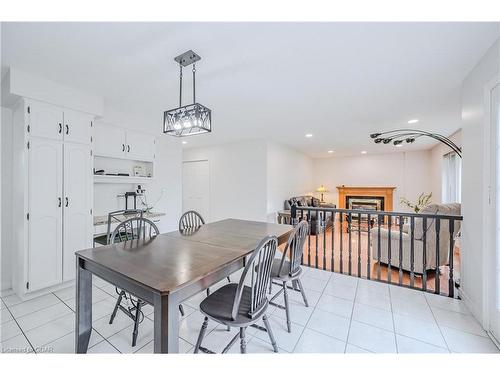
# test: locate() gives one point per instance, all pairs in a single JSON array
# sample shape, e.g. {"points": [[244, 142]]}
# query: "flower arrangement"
{"points": [[423, 200]]}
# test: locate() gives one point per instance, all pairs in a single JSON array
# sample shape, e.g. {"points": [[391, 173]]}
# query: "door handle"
{"points": [[67, 129], [60, 201], [67, 202], [60, 128], [128, 148], [123, 147]]}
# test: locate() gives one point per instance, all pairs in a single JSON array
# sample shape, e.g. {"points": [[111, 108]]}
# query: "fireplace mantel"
{"points": [[366, 191]]}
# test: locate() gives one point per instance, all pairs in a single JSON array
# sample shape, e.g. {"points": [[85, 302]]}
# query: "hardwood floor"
{"points": [[318, 254]]}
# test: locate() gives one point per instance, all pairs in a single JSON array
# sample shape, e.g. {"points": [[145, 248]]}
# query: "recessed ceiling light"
{"points": [[363, 152], [184, 142], [414, 121], [309, 135], [330, 151]]}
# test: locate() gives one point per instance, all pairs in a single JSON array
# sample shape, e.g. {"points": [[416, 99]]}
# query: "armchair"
{"points": [[444, 240]]}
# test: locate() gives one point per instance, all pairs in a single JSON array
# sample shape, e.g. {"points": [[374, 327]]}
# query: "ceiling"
{"points": [[338, 81]]}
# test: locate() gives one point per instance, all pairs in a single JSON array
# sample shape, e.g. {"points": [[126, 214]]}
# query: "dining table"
{"points": [[168, 269]]}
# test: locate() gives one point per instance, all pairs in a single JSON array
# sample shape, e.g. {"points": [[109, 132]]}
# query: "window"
{"points": [[452, 178]]}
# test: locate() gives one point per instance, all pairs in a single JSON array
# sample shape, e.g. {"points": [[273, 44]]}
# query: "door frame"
{"points": [[489, 204], [207, 219]]}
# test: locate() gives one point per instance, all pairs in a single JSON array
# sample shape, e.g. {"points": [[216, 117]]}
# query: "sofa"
{"points": [[305, 201], [430, 230]]}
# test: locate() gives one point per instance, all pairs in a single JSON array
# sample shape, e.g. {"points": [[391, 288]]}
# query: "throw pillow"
{"points": [[316, 202]]}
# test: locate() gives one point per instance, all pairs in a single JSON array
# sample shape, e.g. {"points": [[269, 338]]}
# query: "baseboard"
{"points": [[495, 341], [473, 308]]}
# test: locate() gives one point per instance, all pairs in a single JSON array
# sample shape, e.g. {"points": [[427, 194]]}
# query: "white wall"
{"points": [[407, 171], [475, 176], [289, 173], [436, 165], [6, 191], [167, 175], [237, 179]]}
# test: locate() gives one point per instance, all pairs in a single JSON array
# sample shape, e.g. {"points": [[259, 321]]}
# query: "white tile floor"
{"points": [[346, 315]]}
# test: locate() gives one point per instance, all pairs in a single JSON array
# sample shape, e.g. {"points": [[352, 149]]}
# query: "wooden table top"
{"points": [[173, 260]]}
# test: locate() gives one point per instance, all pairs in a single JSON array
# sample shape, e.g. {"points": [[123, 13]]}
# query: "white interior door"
{"points": [[77, 204], [45, 198], [77, 127], [494, 313], [196, 187]]}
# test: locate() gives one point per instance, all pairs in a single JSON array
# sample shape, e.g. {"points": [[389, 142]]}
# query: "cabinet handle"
{"points": [[67, 202], [60, 202], [128, 148], [123, 147], [67, 129], [60, 128]]}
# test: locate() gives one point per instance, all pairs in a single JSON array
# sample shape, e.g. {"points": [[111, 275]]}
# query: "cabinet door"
{"points": [[45, 120], [77, 127], [140, 146], [109, 141], [45, 213], [77, 204]]}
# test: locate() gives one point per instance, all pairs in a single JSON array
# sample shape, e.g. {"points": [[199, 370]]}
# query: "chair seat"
{"points": [[283, 275], [102, 239], [219, 305]]}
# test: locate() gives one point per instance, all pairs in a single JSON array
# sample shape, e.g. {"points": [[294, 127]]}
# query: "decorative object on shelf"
{"points": [[138, 171], [322, 189], [190, 119], [423, 201], [397, 137]]}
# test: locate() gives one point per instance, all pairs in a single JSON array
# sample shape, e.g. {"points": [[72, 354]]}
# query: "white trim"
{"points": [[488, 209]]}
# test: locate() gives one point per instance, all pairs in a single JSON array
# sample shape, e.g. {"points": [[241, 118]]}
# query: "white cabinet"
{"points": [[77, 127], [53, 192], [45, 191], [109, 141], [140, 146], [77, 204], [45, 120], [116, 142]]}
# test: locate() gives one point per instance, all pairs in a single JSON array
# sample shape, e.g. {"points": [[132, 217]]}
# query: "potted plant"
{"points": [[422, 201]]}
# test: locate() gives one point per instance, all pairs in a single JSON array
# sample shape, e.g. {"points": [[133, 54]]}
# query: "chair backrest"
{"points": [[190, 220], [259, 266], [119, 217], [294, 248], [134, 229]]}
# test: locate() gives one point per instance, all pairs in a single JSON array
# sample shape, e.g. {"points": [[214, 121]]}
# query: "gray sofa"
{"points": [[305, 201], [444, 240]]}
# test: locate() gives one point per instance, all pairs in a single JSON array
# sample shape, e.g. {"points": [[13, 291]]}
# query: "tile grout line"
{"points": [[350, 320], [314, 309], [22, 331], [437, 324], [392, 316]]}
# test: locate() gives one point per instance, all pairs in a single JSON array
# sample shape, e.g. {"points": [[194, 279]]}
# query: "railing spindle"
{"points": [[341, 225], [424, 254], [412, 251], [349, 224], [324, 239], [359, 245], [318, 227], [401, 223], [309, 239], [368, 257], [436, 277], [333, 241], [451, 286], [389, 243], [379, 220]]}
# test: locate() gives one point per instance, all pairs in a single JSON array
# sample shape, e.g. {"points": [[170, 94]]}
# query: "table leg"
{"points": [[83, 324], [166, 324]]}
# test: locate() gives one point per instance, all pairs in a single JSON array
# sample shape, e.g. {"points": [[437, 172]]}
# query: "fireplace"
{"points": [[369, 203]]}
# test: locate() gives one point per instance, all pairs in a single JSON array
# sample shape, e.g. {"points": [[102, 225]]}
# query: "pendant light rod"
{"points": [[180, 86], [194, 82]]}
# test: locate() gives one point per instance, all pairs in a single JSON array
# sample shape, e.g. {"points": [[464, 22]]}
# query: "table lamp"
{"points": [[322, 190]]}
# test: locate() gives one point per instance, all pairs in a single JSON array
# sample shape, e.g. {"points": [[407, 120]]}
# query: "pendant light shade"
{"points": [[189, 119]]}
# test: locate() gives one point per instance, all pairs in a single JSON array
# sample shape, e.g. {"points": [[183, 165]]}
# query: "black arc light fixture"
{"points": [[189, 119], [399, 136]]}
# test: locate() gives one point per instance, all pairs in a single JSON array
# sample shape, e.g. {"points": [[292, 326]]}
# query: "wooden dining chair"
{"points": [[137, 228], [288, 269], [242, 305]]}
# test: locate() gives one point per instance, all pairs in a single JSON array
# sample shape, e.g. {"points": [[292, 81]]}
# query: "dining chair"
{"points": [[190, 222], [241, 305], [116, 217], [137, 228], [288, 269]]}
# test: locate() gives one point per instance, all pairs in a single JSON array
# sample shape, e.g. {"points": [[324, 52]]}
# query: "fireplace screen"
{"points": [[371, 204]]}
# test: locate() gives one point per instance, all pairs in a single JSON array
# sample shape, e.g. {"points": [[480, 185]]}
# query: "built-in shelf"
{"points": [[121, 179]]}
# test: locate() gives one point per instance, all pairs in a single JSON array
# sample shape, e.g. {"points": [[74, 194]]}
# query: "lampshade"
{"points": [[322, 189]]}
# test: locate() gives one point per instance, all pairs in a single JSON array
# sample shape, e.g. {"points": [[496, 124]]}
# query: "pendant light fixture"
{"points": [[189, 119]]}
